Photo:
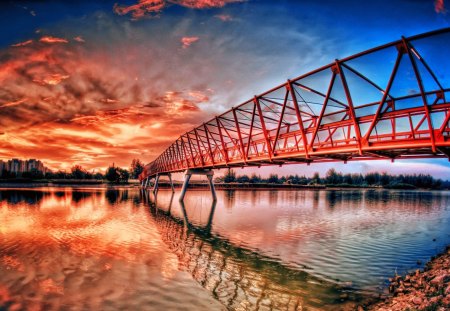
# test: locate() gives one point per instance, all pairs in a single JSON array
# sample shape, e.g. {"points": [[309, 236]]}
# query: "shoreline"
{"points": [[420, 290], [193, 185]]}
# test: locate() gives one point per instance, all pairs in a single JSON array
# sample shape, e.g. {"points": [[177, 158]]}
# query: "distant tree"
{"points": [[243, 179], [124, 175], [316, 178], [117, 175], [98, 176], [332, 177], [136, 168], [255, 179], [36, 174], [112, 174], [273, 179], [385, 179], [230, 176], [78, 172]]}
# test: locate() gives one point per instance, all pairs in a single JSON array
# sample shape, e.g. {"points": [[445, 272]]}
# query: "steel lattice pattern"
{"points": [[386, 102]]}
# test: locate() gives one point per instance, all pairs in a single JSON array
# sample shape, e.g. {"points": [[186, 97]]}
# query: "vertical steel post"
{"points": [[422, 93], [187, 177], [211, 186], [299, 118], [156, 185], [263, 125], [170, 180]]}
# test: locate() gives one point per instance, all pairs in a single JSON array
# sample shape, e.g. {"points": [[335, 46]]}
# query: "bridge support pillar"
{"points": [[156, 185], [187, 177]]}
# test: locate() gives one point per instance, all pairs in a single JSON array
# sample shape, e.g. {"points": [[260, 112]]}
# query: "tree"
{"points": [[117, 174], [112, 174], [316, 178], [273, 179], [230, 176], [332, 177], [243, 179], [78, 172], [255, 179], [136, 168], [123, 175], [98, 176]]}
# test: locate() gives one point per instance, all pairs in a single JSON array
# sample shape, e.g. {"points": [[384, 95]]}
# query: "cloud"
{"points": [[224, 17], [439, 6], [153, 8], [53, 79], [13, 103], [50, 39], [79, 39], [187, 41], [124, 93], [23, 43]]}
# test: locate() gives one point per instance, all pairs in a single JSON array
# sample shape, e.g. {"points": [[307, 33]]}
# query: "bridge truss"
{"points": [[389, 102]]}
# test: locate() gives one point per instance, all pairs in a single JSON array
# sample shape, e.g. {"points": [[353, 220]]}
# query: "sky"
{"points": [[101, 82]]}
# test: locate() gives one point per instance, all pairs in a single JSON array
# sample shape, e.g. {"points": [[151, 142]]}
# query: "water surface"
{"points": [[109, 249]]}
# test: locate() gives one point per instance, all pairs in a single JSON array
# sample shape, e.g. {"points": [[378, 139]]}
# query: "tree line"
{"points": [[112, 174], [334, 178]]}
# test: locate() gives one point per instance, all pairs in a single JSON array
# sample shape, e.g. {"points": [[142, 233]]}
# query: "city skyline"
{"points": [[96, 83], [19, 166]]}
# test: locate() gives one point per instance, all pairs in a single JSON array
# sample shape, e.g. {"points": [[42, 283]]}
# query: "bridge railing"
{"points": [[387, 102]]}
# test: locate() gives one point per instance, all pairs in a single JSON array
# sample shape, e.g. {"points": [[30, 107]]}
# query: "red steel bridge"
{"points": [[389, 102]]}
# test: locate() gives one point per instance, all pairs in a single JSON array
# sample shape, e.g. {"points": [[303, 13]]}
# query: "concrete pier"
{"points": [[205, 172]]}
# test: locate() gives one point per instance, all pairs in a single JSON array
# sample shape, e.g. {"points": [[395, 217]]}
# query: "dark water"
{"points": [[123, 249]]}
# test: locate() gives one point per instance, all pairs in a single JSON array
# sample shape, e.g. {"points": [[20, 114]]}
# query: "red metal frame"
{"points": [[317, 117]]}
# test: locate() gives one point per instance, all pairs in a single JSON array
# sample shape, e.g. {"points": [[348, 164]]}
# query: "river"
{"points": [[122, 248]]}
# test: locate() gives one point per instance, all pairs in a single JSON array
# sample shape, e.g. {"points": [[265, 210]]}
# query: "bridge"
{"points": [[389, 102]]}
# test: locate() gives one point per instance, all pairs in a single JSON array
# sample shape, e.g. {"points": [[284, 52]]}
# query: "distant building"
{"points": [[18, 167]]}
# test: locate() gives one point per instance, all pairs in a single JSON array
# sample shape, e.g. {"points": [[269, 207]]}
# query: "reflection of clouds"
{"points": [[87, 254], [88, 228]]}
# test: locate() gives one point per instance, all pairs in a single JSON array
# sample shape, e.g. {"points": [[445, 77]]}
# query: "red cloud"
{"points": [[141, 9], [50, 39], [152, 8], [187, 41], [203, 4], [439, 6], [224, 17], [78, 39]]}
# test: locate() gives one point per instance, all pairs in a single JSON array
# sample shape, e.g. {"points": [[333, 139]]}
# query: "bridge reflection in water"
{"points": [[239, 278]]}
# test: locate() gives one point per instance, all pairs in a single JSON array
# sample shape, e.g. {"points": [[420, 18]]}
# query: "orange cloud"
{"points": [[50, 39], [14, 103], [153, 8], [187, 41], [53, 79], [23, 43]]}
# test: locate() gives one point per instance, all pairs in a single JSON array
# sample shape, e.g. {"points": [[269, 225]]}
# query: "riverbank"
{"points": [[426, 290]]}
